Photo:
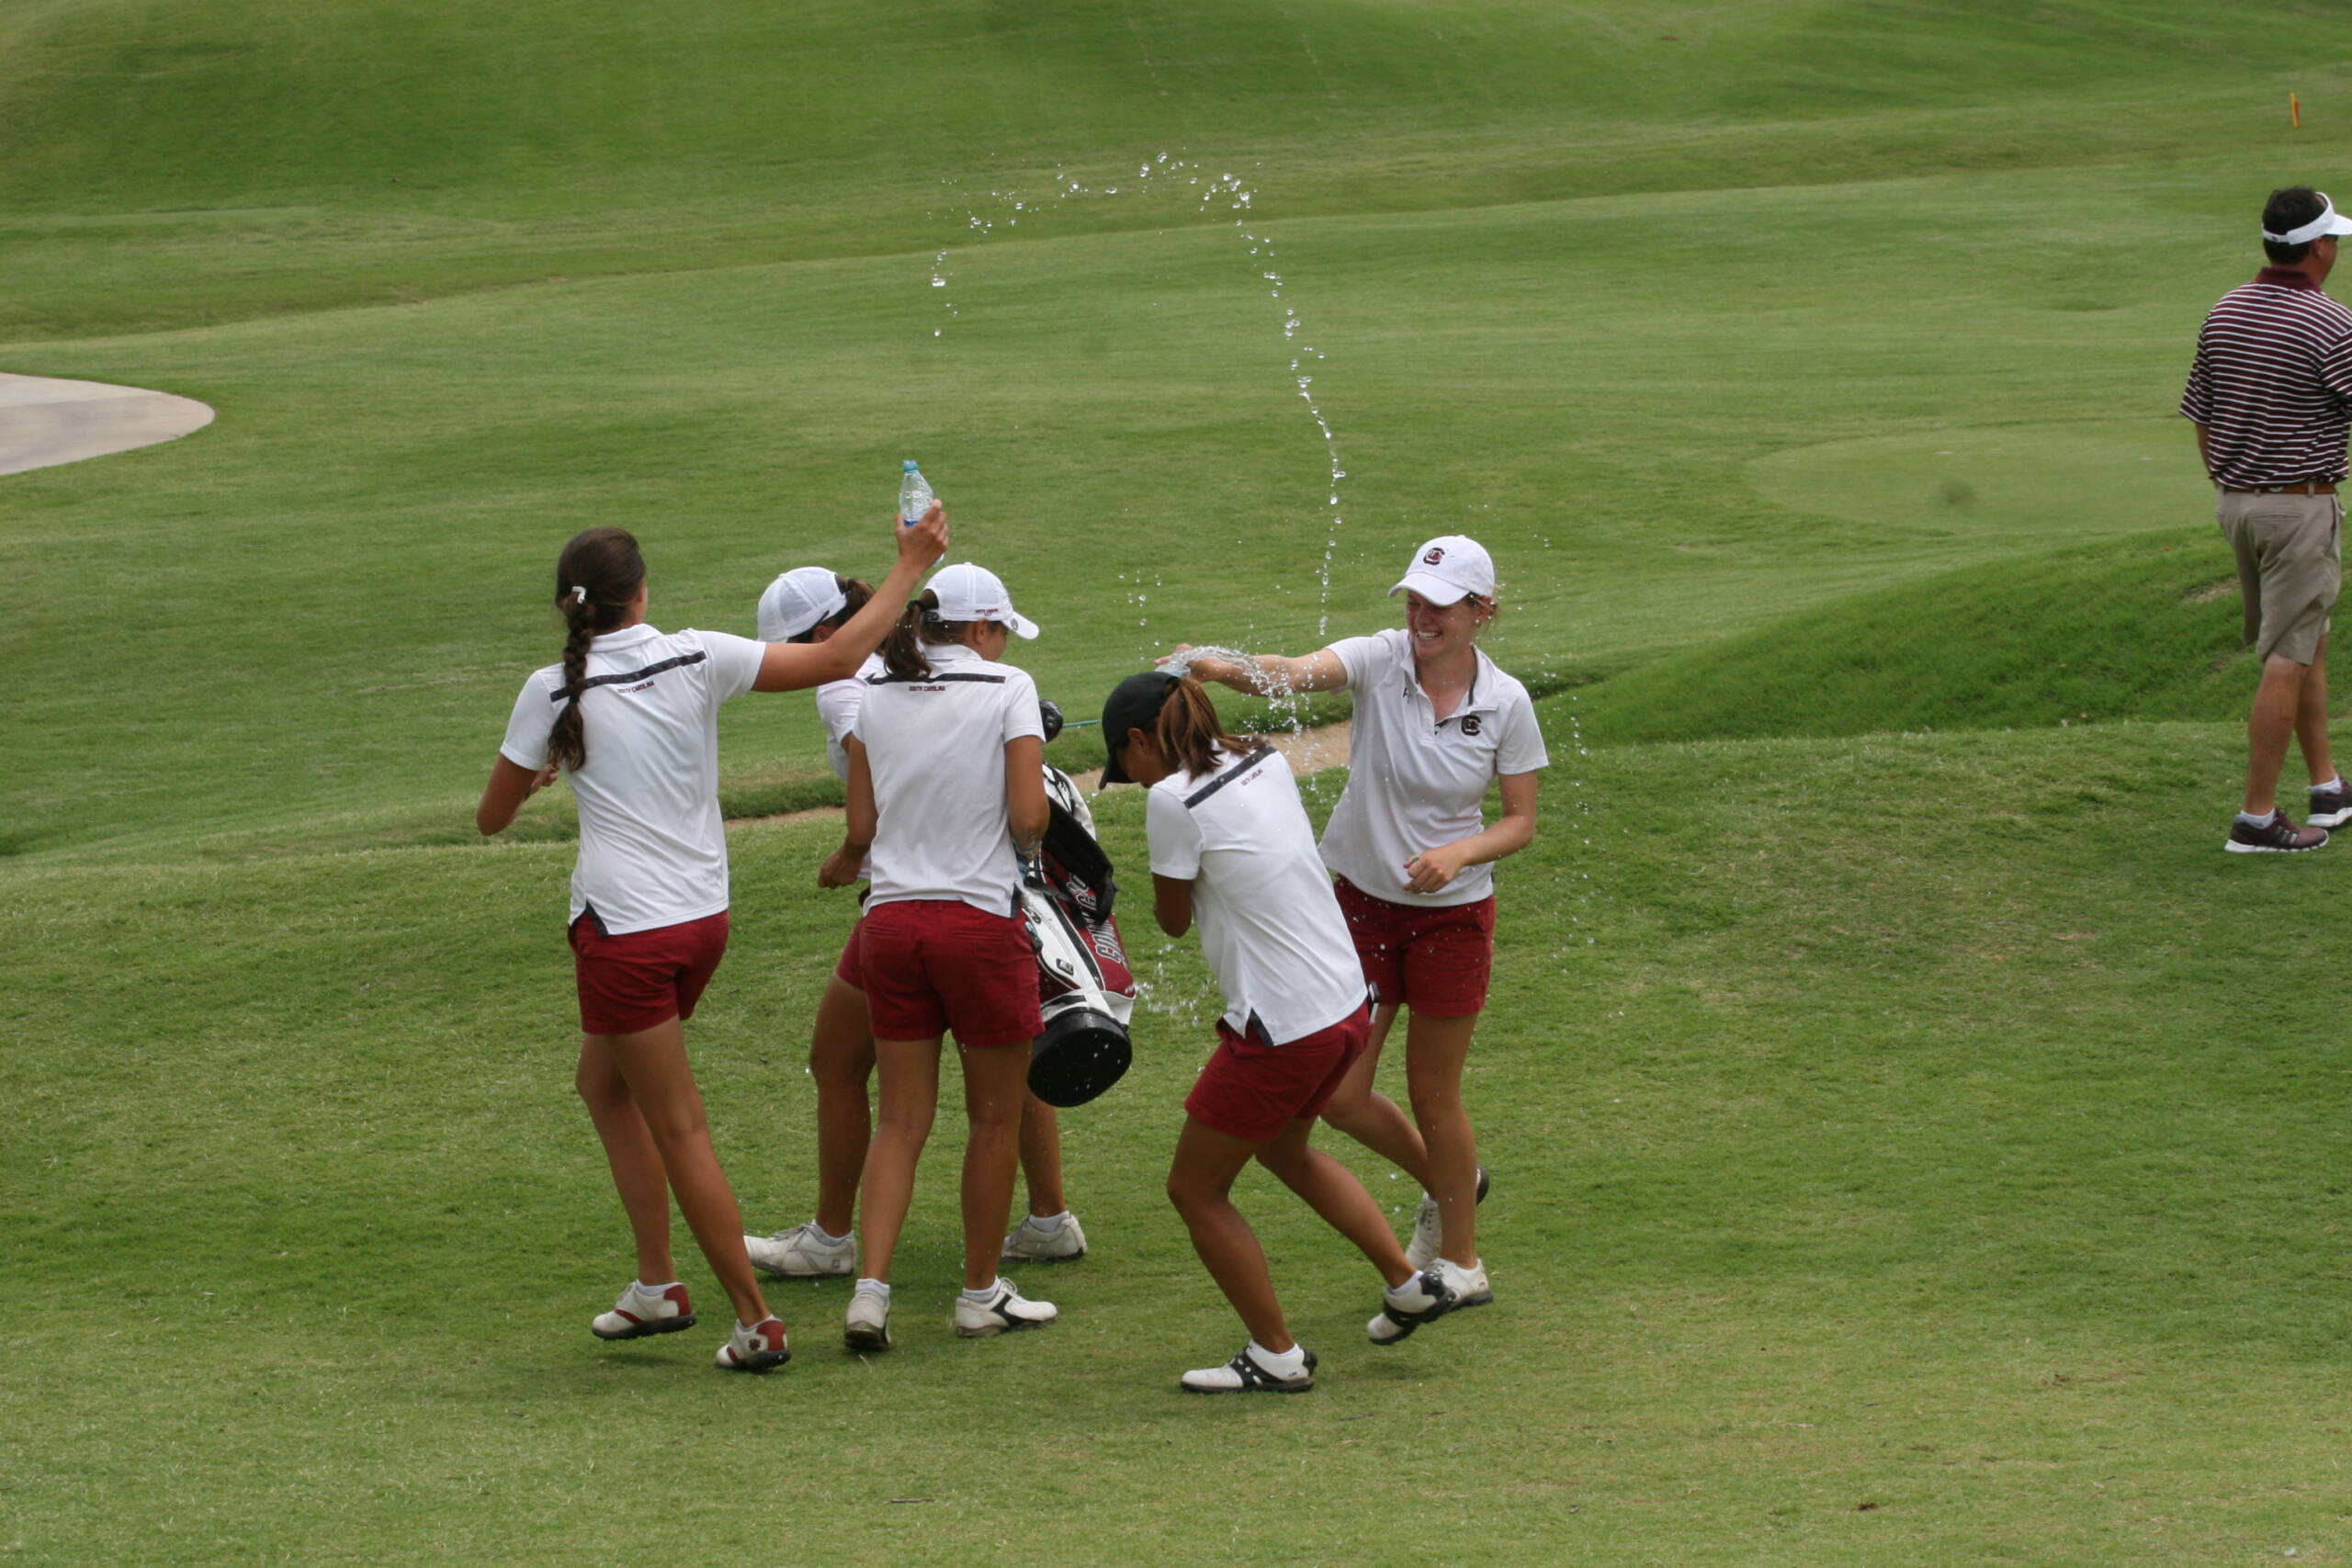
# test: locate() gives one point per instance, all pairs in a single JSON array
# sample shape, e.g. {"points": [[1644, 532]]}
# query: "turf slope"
{"points": [[1910, 1151]]}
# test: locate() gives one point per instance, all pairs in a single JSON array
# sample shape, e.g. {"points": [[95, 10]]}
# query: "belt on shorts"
{"points": [[2302, 487]]}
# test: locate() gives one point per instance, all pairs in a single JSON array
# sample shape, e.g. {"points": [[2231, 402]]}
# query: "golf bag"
{"points": [[1085, 990]]}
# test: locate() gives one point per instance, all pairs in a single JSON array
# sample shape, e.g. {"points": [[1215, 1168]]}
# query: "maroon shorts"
{"points": [[1252, 1090], [1435, 961], [846, 970], [633, 982], [929, 967]]}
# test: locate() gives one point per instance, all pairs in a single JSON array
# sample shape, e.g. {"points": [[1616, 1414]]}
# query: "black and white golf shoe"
{"points": [[1424, 1297], [1244, 1375], [1004, 1310]]}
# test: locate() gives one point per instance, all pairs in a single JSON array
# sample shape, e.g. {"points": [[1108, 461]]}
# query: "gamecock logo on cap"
{"points": [[1437, 554]]}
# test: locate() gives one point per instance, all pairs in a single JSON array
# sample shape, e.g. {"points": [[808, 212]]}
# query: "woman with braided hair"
{"points": [[631, 715]]}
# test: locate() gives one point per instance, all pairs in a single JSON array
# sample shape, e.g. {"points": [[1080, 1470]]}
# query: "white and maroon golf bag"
{"points": [[1085, 990]]}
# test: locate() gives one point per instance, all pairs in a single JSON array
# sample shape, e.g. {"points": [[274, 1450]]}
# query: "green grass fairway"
{"points": [[1916, 1142]]}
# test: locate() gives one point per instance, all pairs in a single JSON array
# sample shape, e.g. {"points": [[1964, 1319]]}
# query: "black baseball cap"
{"points": [[1134, 703]]}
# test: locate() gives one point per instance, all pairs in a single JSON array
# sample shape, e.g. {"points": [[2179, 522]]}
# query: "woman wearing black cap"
{"points": [[1231, 847], [1437, 723]]}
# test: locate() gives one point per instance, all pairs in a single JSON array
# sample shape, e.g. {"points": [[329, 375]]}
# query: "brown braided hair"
{"points": [[596, 576]]}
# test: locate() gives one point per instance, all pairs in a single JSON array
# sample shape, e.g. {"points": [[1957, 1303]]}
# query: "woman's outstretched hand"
{"points": [[925, 541], [1223, 671]]}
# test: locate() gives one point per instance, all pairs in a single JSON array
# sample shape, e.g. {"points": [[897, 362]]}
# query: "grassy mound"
{"points": [[2146, 627]]}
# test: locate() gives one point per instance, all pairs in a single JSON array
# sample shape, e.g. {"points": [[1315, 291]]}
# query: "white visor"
{"points": [[968, 592], [2329, 222]]}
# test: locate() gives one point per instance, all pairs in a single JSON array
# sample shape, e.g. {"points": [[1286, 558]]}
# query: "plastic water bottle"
{"points": [[914, 495]]}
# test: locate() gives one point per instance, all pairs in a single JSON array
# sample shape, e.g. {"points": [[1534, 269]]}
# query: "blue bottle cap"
{"points": [[910, 466]]}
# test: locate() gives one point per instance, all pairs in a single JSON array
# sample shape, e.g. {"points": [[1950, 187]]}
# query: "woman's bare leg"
{"points": [[909, 1070], [996, 1086], [1041, 1157], [1435, 1051], [841, 1059], [1332, 1190], [653, 1061], [1199, 1183], [629, 1149], [1369, 1116]]}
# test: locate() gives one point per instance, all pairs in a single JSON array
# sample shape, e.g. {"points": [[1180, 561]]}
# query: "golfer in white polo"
{"points": [[1437, 725]]}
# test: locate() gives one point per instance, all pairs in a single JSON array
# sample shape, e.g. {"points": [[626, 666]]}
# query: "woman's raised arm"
{"points": [[792, 666]]}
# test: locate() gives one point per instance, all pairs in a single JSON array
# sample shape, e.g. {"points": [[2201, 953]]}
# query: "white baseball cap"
{"points": [[798, 601], [1449, 568], [968, 592], [2329, 222]]}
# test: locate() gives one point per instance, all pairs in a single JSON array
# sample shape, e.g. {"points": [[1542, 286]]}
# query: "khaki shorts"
{"points": [[2290, 567]]}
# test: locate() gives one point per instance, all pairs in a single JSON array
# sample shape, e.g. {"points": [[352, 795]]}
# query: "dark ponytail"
{"points": [[1189, 732], [596, 576], [919, 624], [855, 596]]}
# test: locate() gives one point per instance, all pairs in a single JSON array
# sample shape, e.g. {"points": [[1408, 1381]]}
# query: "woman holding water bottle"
{"points": [[809, 604], [630, 715], [1437, 723]]}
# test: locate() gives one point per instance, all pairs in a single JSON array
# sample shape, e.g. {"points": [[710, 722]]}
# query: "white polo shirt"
{"points": [[837, 703], [936, 750], [1271, 927], [652, 848], [1413, 782]]}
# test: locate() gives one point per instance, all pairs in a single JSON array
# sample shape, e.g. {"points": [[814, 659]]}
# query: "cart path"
{"points": [[45, 422]]}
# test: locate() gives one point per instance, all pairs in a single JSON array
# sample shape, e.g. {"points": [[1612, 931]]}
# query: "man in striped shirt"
{"points": [[2271, 396]]}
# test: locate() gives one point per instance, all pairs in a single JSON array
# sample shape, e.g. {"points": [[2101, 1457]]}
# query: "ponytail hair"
{"points": [[919, 626], [1189, 732], [596, 576], [855, 596]]}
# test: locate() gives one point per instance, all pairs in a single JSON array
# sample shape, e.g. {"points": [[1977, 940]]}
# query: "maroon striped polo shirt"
{"points": [[2272, 382]]}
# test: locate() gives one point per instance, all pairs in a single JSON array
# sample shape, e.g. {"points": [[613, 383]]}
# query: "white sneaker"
{"points": [[804, 1252], [1244, 1374], [868, 1328], [1429, 1235], [755, 1348], [1005, 1310], [1424, 1297], [1030, 1242], [641, 1311]]}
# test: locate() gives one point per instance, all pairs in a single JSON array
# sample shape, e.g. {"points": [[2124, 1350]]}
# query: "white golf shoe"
{"points": [[1004, 1310], [641, 1311], [868, 1327], [755, 1347], [1429, 1235], [1037, 1241], [1246, 1374], [804, 1252], [1424, 1297]]}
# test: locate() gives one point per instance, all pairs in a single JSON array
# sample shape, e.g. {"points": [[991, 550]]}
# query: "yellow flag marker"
{"points": [[2295, 110]]}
